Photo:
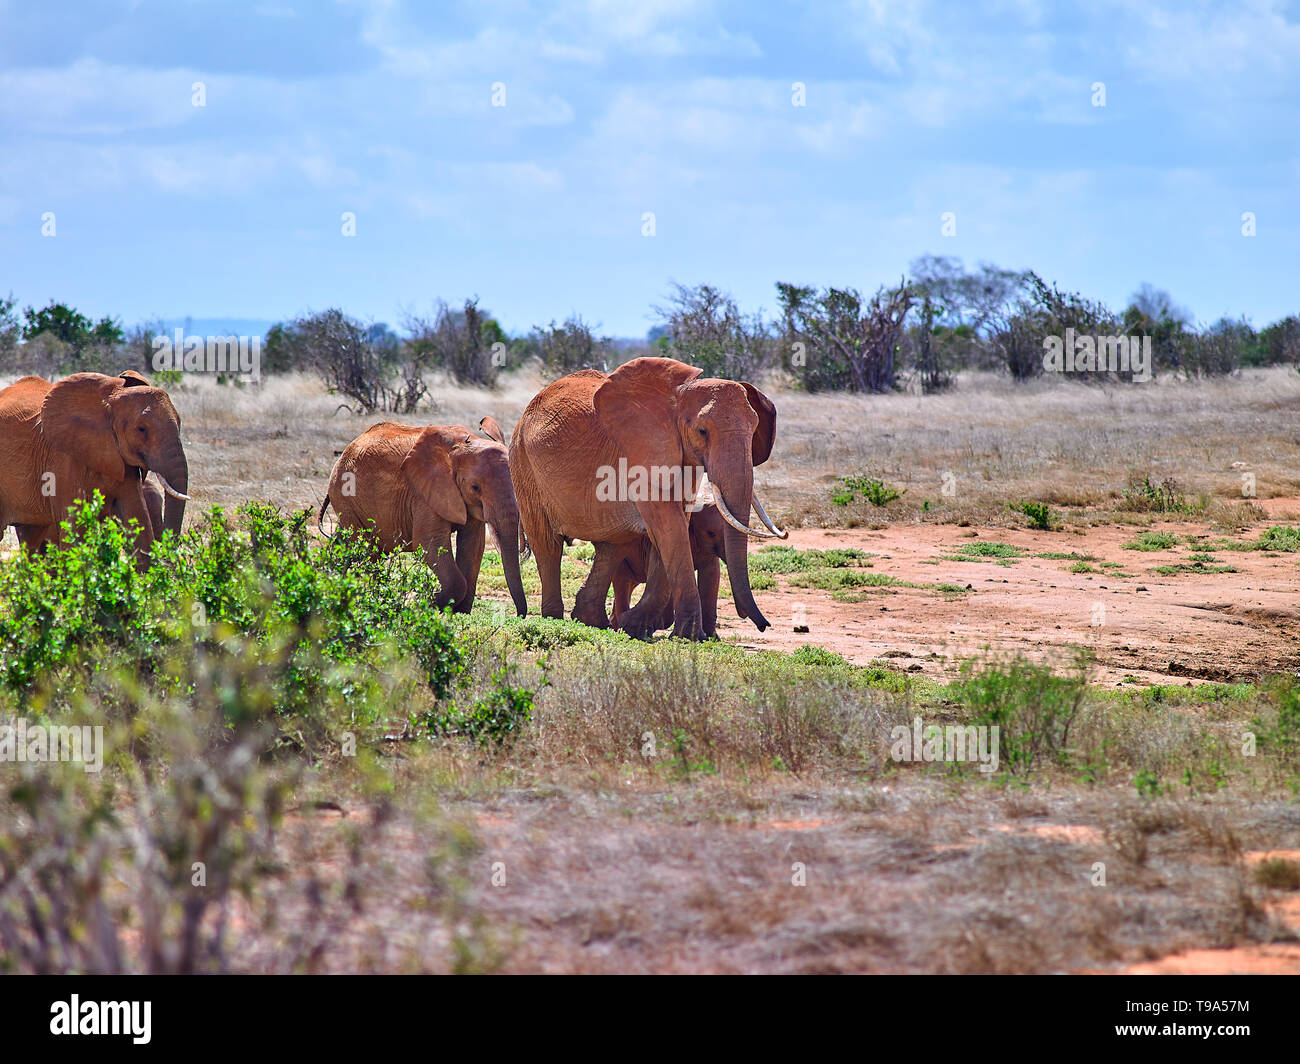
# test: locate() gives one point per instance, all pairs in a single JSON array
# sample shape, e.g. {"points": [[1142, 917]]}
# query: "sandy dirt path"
{"points": [[1233, 626]]}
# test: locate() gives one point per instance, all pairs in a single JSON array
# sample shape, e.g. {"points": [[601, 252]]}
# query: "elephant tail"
{"points": [[320, 517]]}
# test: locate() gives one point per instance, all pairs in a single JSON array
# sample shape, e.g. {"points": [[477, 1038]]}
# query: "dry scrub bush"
{"points": [[703, 716], [135, 869]]}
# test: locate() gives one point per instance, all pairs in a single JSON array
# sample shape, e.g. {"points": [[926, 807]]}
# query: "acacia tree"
{"points": [[463, 343], [1045, 310], [704, 326], [963, 305], [839, 341], [569, 347]]}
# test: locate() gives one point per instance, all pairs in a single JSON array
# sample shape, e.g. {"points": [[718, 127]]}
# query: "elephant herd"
{"points": [[652, 463]]}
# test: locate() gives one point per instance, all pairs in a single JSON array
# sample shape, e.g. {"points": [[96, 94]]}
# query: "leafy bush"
{"points": [[1039, 514], [1277, 730], [569, 347], [874, 491], [468, 344], [496, 718], [840, 341], [1032, 708], [338, 629]]}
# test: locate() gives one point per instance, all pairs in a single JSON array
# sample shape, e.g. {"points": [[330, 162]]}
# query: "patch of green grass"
{"points": [[1282, 538], [1083, 567], [1151, 541], [783, 559], [833, 579], [986, 549], [808, 654], [1193, 568], [1068, 556]]}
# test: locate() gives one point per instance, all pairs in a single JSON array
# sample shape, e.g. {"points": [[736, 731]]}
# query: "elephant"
{"points": [[610, 458], [61, 441], [627, 565], [37, 537], [414, 487]]}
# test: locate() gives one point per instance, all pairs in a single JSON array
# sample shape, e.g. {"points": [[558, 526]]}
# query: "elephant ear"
{"points": [[765, 434], [76, 418], [134, 379], [637, 407], [491, 429], [428, 470]]}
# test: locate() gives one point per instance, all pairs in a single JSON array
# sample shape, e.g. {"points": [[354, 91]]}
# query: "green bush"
{"points": [[1032, 708], [874, 491], [1039, 514], [341, 629]]}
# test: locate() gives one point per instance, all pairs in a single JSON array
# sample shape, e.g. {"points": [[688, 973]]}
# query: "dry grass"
{"points": [[1066, 444]]}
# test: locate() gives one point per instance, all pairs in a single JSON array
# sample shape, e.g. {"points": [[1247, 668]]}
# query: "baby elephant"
{"points": [[626, 565], [416, 487]]}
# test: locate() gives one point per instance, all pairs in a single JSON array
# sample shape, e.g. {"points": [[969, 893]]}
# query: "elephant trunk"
{"points": [[174, 472], [736, 490], [505, 526]]}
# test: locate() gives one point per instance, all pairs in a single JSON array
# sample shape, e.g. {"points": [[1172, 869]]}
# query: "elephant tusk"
{"points": [[726, 516], [704, 495], [169, 489], [758, 508]]}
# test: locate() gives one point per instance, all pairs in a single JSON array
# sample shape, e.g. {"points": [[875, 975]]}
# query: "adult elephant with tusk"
{"points": [[61, 442], [612, 458], [415, 488]]}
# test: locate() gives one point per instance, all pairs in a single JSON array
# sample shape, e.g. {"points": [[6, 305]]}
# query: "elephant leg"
{"points": [[547, 550], [708, 576], [624, 581], [679, 569], [643, 620], [470, 541], [433, 536], [130, 505], [153, 503], [670, 577], [589, 607]]}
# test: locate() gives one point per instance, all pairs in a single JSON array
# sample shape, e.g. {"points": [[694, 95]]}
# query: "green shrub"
{"points": [[1032, 708], [874, 491], [343, 631], [1039, 514]]}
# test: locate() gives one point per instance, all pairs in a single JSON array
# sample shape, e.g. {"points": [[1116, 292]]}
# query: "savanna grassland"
{"points": [[372, 785]]}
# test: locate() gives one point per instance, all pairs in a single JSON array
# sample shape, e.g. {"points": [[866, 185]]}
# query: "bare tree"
{"points": [[340, 350], [569, 347], [463, 343]]}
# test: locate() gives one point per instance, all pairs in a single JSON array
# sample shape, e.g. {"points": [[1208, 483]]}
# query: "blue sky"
{"points": [[614, 109]]}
